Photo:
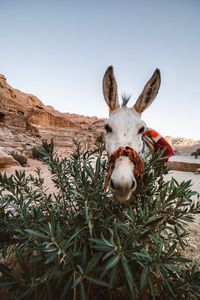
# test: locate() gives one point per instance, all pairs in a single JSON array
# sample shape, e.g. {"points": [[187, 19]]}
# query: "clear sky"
{"points": [[59, 50]]}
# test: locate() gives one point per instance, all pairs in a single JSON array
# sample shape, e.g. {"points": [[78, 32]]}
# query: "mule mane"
{"points": [[125, 99]]}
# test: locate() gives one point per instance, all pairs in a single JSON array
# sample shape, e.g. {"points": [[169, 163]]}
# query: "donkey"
{"points": [[124, 130]]}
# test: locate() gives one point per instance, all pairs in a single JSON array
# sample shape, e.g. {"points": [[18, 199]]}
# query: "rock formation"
{"points": [[25, 120], [6, 160], [183, 146]]}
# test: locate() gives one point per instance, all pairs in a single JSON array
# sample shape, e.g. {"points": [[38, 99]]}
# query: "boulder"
{"points": [[7, 160]]}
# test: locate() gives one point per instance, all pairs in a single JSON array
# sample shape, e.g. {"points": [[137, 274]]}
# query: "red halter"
{"points": [[133, 156], [153, 140]]}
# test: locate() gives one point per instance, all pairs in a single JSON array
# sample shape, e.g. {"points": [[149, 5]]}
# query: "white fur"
{"points": [[125, 124]]}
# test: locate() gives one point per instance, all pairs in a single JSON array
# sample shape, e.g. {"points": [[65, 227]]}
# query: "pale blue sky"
{"points": [[59, 51]]}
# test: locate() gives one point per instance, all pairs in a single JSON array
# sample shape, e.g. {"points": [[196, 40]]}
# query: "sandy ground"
{"points": [[32, 165], [193, 248]]}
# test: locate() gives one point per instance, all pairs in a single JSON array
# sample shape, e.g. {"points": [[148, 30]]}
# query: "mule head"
{"points": [[124, 130]]}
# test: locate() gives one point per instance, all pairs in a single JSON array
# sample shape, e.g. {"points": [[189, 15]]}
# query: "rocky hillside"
{"points": [[25, 120], [183, 146]]}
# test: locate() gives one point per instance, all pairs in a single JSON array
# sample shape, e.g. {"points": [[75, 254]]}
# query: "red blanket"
{"points": [[155, 141]]}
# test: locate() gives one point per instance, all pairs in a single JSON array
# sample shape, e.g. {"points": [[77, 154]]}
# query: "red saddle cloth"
{"points": [[155, 141]]}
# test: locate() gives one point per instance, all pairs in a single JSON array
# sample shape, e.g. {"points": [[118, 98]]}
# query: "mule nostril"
{"points": [[133, 185], [112, 185]]}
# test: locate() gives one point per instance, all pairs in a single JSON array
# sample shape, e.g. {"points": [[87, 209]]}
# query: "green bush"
{"points": [[79, 243], [39, 152]]}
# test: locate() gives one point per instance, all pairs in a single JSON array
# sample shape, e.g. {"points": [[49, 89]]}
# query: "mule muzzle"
{"points": [[124, 188], [121, 191]]}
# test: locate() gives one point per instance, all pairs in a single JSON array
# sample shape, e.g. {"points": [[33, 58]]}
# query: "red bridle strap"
{"points": [[132, 155]]}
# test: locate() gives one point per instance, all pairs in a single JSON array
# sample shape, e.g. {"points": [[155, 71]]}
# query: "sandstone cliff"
{"points": [[25, 120]]}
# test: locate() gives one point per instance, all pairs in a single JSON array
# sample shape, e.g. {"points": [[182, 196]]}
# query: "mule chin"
{"points": [[122, 197]]}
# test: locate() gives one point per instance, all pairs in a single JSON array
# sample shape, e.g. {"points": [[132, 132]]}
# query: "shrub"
{"points": [[20, 158], [39, 152], [79, 243]]}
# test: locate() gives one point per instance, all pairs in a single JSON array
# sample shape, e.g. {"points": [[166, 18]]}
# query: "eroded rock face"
{"points": [[7, 160], [25, 120]]}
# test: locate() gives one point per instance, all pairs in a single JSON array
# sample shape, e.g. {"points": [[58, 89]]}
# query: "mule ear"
{"points": [[149, 92], [110, 89]]}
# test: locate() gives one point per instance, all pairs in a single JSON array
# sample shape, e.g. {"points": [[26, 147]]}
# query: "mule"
{"points": [[124, 129]]}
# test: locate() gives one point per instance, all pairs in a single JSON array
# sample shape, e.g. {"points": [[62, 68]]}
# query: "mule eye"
{"points": [[141, 130], [108, 128]]}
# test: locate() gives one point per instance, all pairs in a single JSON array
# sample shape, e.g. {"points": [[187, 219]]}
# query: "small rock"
{"points": [[7, 160]]}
